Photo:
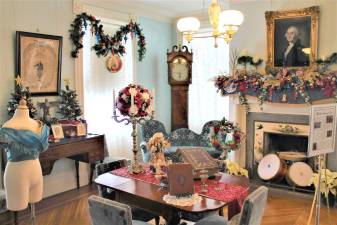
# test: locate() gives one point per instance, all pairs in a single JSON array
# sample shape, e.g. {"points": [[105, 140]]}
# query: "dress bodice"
{"points": [[23, 145]]}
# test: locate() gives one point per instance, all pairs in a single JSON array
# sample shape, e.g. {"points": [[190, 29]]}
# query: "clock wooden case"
{"points": [[179, 61]]}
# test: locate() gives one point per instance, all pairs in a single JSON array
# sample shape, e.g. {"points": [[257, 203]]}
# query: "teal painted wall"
{"points": [[152, 71]]}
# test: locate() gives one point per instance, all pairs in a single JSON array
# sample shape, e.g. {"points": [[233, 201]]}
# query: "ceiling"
{"points": [[162, 8]]}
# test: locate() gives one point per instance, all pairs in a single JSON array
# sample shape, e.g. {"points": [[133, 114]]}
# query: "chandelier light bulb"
{"points": [[188, 24], [231, 17]]}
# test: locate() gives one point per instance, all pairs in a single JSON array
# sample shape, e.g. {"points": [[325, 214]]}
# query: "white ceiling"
{"points": [[167, 9]]}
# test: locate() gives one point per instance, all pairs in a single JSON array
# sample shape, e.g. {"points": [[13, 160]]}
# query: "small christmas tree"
{"points": [[69, 107], [20, 92]]}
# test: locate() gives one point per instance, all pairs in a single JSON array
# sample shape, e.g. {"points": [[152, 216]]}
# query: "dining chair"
{"points": [[137, 213], [251, 214], [107, 212]]}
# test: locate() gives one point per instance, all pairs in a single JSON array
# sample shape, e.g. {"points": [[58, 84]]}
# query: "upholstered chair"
{"points": [[107, 212], [137, 213], [147, 130], [6, 217], [251, 214]]}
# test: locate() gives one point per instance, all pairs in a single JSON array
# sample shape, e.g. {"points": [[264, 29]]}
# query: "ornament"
{"points": [[114, 63]]}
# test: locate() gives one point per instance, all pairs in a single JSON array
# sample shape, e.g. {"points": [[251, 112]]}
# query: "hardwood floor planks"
{"points": [[71, 208]]}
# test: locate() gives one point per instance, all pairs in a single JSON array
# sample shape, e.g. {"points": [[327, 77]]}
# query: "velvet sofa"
{"points": [[182, 137]]}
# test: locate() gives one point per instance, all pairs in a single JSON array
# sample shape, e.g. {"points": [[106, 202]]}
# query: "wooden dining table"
{"points": [[149, 196]]}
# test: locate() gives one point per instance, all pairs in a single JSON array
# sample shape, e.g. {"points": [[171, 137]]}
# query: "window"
{"points": [[98, 85], [204, 102]]}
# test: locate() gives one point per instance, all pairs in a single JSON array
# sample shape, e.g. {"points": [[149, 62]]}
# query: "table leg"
{"points": [[92, 168], [172, 218], [233, 209], [77, 174]]}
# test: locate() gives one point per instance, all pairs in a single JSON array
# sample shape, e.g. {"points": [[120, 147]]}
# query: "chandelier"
{"points": [[224, 24]]}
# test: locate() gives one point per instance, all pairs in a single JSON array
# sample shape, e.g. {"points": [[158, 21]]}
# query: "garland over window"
{"points": [[105, 43]]}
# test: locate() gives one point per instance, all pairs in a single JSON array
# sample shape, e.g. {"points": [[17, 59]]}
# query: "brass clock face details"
{"points": [[180, 69]]}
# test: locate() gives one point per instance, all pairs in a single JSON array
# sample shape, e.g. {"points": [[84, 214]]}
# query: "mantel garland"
{"points": [[283, 85], [105, 43]]}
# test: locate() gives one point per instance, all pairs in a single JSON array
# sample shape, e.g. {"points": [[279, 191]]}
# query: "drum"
{"points": [[299, 174], [272, 168], [293, 156]]}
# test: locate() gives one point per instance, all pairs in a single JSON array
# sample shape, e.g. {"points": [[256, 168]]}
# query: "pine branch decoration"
{"points": [[21, 92], [69, 107]]}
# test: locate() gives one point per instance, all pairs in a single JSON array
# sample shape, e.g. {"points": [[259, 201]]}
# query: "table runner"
{"points": [[228, 193]]}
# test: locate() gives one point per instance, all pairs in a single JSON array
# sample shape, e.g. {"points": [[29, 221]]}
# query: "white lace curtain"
{"points": [[204, 102], [99, 84]]}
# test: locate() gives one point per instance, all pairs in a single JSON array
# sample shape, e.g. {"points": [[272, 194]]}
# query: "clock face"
{"points": [[180, 69]]}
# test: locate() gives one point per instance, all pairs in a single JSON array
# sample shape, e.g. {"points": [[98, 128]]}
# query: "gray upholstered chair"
{"points": [[6, 217], [137, 213], [107, 212], [251, 214]]}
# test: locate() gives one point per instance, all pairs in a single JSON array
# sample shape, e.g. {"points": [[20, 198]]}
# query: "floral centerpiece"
{"points": [[135, 101], [157, 144], [225, 136], [136, 104]]}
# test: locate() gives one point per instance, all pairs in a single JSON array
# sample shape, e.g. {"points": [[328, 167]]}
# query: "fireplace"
{"points": [[276, 134]]}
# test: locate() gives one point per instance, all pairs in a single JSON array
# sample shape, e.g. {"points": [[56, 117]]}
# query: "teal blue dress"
{"points": [[21, 145]]}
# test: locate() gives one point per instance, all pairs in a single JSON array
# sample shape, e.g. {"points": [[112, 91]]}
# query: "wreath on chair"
{"points": [[105, 43]]}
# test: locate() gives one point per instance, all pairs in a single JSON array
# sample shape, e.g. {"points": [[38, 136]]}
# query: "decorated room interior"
{"points": [[176, 112]]}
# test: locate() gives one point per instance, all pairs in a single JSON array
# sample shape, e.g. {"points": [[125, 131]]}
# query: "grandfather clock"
{"points": [[179, 62]]}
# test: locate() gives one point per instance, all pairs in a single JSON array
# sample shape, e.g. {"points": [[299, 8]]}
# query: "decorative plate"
{"points": [[114, 63]]}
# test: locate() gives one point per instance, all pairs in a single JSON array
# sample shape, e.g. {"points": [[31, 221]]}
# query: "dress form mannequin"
{"points": [[25, 139]]}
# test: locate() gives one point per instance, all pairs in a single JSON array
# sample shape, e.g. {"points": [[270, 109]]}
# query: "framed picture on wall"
{"points": [[292, 37], [38, 62]]}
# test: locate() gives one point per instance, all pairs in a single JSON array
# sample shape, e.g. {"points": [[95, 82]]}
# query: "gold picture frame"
{"points": [[57, 131], [280, 26]]}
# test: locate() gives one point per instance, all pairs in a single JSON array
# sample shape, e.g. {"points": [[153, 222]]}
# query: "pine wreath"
{"points": [[105, 43]]}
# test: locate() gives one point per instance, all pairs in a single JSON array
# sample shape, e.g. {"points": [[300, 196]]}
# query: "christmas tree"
{"points": [[69, 107], [20, 92]]}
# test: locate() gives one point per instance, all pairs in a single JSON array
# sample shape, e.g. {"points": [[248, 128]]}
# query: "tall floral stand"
{"points": [[135, 106], [136, 167]]}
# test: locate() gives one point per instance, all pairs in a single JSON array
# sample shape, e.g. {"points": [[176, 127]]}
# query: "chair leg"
{"points": [[15, 217], [221, 213], [157, 220]]}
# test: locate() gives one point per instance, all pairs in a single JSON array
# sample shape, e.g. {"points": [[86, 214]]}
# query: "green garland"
{"points": [[104, 42]]}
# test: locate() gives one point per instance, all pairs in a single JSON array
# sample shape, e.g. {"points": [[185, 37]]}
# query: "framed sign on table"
{"points": [[38, 62]]}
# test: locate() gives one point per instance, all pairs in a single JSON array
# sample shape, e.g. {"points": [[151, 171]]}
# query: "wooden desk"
{"points": [[149, 196], [88, 149]]}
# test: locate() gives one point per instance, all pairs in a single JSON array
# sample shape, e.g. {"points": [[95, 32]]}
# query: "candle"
{"points": [[323, 58], [132, 101]]}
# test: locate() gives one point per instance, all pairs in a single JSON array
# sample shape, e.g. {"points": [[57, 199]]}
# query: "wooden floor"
{"points": [[70, 208]]}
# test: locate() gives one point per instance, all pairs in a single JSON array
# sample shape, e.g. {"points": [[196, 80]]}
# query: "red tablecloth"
{"points": [[228, 192]]}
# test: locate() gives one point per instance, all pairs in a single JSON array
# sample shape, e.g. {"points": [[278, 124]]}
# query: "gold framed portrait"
{"points": [[38, 62], [292, 37]]}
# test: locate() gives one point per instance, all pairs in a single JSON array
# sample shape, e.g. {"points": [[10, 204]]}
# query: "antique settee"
{"points": [[179, 138]]}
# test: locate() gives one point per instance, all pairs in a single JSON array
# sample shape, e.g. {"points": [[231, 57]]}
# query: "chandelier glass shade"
{"points": [[224, 24]]}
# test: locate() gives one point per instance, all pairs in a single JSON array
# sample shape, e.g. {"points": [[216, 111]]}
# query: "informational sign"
{"points": [[322, 129]]}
